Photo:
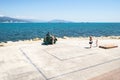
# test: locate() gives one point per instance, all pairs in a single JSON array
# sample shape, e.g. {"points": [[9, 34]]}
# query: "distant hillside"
{"points": [[59, 21], [4, 19], [51, 21]]}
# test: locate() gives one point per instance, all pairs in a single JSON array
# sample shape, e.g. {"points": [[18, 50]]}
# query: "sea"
{"points": [[26, 31]]}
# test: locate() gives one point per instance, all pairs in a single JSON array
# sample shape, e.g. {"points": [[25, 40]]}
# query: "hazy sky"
{"points": [[73, 10]]}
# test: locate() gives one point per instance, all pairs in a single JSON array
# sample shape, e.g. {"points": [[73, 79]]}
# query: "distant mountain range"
{"points": [[5, 19]]}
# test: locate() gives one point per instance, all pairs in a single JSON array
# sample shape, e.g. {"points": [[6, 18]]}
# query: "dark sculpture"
{"points": [[49, 39]]}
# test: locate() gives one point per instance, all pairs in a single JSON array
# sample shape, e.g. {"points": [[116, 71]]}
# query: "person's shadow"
{"points": [[87, 47]]}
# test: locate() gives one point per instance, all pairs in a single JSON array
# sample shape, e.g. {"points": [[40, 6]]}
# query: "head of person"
{"points": [[90, 37]]}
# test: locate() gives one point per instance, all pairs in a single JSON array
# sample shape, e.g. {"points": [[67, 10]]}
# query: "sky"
{"points": [[72, 10]]}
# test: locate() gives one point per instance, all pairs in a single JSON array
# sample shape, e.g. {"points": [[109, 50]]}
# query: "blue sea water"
{"points": [[23, 31]]}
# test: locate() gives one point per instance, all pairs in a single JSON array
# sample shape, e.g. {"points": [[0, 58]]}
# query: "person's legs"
{"points": [[90, 44]]}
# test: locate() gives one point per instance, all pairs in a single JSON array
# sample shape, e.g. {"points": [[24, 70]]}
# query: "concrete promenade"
{"points": [[69, 59]]}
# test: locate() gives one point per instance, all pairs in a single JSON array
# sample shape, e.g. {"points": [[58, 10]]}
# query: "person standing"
{"points": [[90, 41], [97, 43]]}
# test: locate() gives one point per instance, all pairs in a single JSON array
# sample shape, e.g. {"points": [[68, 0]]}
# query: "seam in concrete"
{"points": [[82, 69], [33, 63], [70, 57], [79, 56], [53, 55]]}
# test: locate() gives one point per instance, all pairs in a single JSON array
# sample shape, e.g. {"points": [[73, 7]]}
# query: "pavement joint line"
{"points": [[70, 57], [85, 68], [79, 56], [33, 64], [52, 55]]}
